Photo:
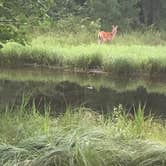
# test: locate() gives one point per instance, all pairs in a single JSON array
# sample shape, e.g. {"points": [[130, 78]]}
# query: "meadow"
{"points": [[129, 53], [80, 137]]}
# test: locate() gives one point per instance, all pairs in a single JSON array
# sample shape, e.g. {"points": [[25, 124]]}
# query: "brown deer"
{"points": [[104, 37]]}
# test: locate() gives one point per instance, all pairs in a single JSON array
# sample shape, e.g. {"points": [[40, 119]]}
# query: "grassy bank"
{"points": [[80, 137], [126, 55]]}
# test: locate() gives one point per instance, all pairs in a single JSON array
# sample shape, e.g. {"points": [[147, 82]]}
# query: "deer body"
{"points": [[104, 37]]}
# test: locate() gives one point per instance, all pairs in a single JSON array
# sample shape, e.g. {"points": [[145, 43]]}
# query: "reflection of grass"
{"points": [[96, 81], [81, 137], [123, 56]]}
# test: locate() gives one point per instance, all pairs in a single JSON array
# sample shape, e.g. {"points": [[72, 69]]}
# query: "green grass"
{"points": [[147, 37], [128, 54], [81, 137]]}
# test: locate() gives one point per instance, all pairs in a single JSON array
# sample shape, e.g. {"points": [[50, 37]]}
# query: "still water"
{"points": [[100, 92]]}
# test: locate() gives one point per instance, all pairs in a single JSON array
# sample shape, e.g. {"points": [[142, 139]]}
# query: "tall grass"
{"points": [[116, 59], [147, 37], [21, 123], [128, 53], [81, 137]]}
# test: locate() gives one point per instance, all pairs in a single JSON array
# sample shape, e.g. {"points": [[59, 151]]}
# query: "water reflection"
{"points": [[63, 93]]}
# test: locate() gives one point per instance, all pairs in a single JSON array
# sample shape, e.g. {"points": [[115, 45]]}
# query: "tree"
{"points": [[65, 8], [152, 12], [128, 13], [106, 10], [122, 12], [163, 14], [15, 15]]}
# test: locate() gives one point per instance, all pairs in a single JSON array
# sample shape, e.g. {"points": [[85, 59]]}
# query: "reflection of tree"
{"points": [[104, 99], [65, 94]]}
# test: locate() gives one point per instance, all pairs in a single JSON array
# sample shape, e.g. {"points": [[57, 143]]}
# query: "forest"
{"points": [[18, 18]]}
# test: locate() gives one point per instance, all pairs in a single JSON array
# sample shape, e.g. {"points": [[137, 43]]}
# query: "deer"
{"points": [[104, 37]]}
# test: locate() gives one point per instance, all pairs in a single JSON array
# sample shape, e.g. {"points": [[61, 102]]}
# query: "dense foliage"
{"points": [[17, 17]]}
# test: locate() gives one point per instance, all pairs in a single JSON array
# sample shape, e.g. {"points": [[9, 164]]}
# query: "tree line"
{"points": [[16, 16]]}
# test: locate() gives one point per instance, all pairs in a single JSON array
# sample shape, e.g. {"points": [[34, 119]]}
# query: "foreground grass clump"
{"points": [[81, 137]]}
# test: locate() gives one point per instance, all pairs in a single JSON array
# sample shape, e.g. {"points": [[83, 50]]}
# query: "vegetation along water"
{"points": [[82, 83]]}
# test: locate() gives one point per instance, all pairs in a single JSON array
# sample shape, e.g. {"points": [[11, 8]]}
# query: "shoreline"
{"points": [[97, 71]]}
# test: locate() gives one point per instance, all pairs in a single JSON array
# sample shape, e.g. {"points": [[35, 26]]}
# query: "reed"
{"points": [[117, 59], [81, 137]]}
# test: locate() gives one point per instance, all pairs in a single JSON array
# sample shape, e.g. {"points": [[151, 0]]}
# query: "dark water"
{"points": [[100, 92]]}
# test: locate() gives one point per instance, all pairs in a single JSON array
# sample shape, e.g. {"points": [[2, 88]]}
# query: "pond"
{"points": [[100, 92]]}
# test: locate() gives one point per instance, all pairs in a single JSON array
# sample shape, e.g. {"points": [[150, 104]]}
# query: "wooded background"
{"points": [[18, 16]]}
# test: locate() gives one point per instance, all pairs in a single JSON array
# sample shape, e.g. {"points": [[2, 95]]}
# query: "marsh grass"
{"points": [[142, 37], [81, 137], [115, 59], [20, 123], [128, 54]]}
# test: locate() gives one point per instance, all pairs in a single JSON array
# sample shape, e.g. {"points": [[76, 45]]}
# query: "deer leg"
{"points": [[99, 41]]}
